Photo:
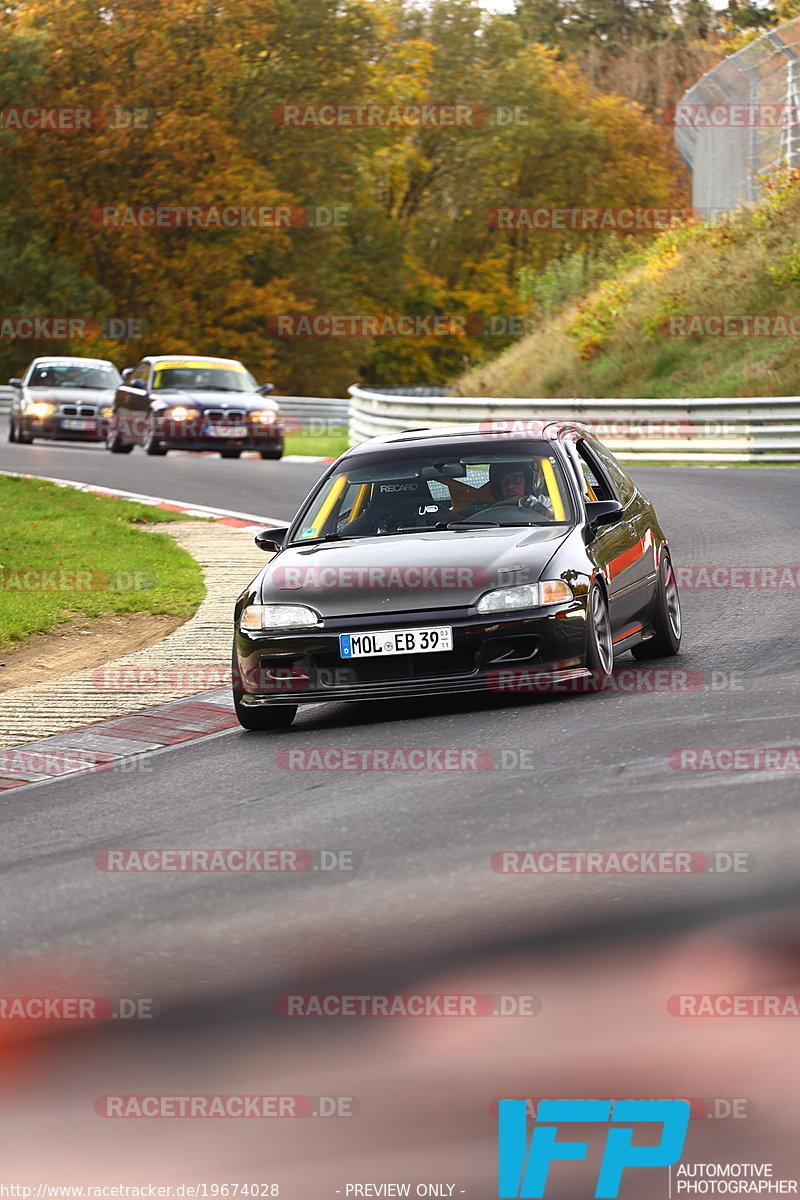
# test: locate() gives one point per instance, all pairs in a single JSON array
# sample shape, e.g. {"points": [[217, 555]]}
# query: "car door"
{"points": [[625, 549], [131, 404]]}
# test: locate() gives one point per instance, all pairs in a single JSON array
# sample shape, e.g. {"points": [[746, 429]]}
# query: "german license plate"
{"points": [[398, 641], [228, 431], [85, 425]]}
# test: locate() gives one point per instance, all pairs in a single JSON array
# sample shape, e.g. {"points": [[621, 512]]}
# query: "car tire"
{"points": [[152, 445], [230, 453], [599, 643], [115, 444], [666, 621], [12, 430], [273, 455]]}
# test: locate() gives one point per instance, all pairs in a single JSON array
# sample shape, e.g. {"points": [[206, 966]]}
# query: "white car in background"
{"points": [[63, 398]]}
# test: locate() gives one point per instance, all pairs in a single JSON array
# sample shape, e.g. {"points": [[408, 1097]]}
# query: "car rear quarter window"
{"points": [[596, 483], [621, 480]]}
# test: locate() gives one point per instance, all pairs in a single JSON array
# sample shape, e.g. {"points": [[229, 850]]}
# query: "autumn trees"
{"points": [[188, 101]]}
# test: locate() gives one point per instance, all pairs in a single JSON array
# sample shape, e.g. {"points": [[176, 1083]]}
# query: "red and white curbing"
{"points": [[225, 516], [110, 745]]}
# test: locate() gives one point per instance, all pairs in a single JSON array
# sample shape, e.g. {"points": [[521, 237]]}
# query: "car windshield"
{"points": [[74, 375], [202, 377], [439, 489]]}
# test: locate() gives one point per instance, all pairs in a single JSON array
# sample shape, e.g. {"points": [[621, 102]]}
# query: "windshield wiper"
{"points": [[448, 525]]}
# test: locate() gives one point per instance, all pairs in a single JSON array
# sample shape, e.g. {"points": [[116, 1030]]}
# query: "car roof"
{"points": [[523, 429], [72, 358], [201, 358]]}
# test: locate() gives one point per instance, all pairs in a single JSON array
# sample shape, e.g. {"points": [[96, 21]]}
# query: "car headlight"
{"points": [[264, 418], [277, 616], [40, 408], [527, 595], [106, 412], [183, 414]]}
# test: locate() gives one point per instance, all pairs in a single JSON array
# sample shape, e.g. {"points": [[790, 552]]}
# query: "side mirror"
{"points": [[602, 512], [126, 373], [15, 382], [271, 539], [265, 389]]}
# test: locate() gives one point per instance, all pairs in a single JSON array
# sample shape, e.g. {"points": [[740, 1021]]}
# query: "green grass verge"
{"points": [[318, 445], [614, 339], [63, 552]]}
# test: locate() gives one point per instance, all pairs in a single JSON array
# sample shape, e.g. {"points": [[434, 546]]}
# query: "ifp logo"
{"points": [[523, 1169]]}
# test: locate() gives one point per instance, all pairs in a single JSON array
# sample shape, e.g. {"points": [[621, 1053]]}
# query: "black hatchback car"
{"points": [[185, 402], [449, 560]]}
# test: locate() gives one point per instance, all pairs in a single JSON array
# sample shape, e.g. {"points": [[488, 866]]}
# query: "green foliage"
{"points": [[619, 340]]}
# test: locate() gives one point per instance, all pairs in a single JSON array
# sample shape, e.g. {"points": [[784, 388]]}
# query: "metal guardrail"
{"points": [[304, 409], [723, 128], [745, 429], [748, 429], [312, 410]]}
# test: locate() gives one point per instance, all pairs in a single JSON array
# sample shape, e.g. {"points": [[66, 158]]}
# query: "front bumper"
{"points": [[216, 443], [51, 427], [300, 667]]}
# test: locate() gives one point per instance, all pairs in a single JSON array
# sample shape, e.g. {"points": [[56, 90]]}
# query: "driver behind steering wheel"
{"points": [[516, 484]]}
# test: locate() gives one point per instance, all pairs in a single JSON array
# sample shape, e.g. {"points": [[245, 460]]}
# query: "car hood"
{"points": [[407, 573], [250, 401], [63, 395]]}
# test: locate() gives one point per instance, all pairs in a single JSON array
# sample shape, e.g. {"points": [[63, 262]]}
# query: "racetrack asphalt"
{"points": [[597, 776]]}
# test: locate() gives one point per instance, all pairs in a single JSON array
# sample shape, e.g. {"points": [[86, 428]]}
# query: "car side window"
{"points": [[626, 488], [599, 485], [141, 371]]}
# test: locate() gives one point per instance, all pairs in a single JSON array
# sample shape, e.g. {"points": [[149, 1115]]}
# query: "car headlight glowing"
{"points": [[40, 408], [527, 595], [278, 616], [183, 414], [264, 418]]}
